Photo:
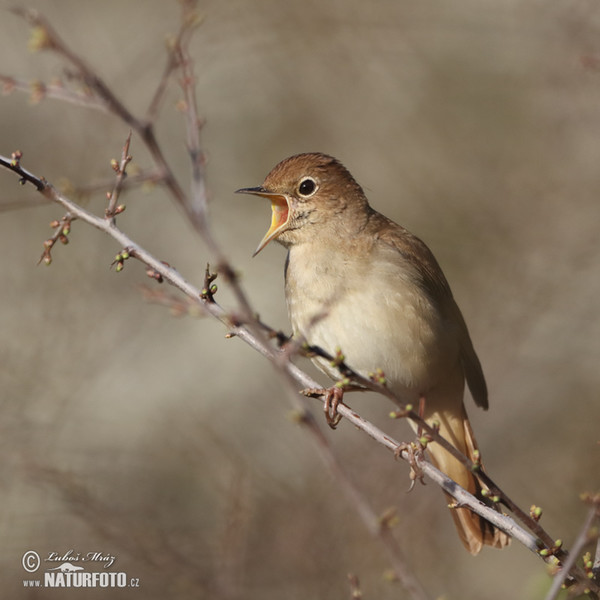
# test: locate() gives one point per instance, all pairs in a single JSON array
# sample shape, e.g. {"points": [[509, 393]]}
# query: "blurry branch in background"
{"points": [[242, 321]]}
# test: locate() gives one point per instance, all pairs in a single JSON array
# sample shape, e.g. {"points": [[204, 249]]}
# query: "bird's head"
{"points": [[308, 192]]}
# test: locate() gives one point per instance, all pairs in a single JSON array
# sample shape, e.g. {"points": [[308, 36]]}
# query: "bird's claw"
{"points": [[333, 398], [414, 454]]}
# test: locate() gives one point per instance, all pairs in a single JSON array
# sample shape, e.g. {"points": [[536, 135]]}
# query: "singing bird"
{"points": [[357, 281]]}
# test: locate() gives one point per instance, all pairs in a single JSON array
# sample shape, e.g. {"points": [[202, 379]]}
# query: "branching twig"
{"points": [[578, 544], [121, 171], [39, 91]]}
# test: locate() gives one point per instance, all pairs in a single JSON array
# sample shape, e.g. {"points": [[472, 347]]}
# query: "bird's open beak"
{"points": [[280, 213]]}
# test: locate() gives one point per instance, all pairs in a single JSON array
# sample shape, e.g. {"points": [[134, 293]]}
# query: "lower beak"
{"points": [[279, 213]]}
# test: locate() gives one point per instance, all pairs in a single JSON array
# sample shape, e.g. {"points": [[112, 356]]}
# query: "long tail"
{"points": [[473, 530]]}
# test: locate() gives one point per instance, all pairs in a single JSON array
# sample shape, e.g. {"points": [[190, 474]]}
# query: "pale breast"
{"points": [[374, 311]]}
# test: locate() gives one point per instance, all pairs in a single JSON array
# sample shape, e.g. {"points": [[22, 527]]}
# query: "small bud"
{"points": [[119, 209], [119, 267], [63, 239], [125, 255], [535, 512], [16, 156], [39, 39], [47, 260], [114, 165], [390, 575], [213, 288], [54, 224]]}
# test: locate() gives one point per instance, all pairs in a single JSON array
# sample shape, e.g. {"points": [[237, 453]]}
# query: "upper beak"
{"points": [[280, 213]]}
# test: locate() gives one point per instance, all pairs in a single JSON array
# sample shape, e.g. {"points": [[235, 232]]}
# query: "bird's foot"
{"points": [[415, 453], [333, 398]]}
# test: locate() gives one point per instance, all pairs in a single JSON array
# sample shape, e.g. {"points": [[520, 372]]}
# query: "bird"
{"points": [[359, 283]]}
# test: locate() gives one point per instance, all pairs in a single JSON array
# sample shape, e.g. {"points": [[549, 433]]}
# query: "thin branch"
{"points": [[578, 544], [121, 170], [49, 39], [39, 91], [14, 164], [188, 23], [198, 201]]}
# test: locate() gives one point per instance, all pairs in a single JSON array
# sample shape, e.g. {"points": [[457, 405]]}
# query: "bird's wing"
{"points": [[434, 283]]}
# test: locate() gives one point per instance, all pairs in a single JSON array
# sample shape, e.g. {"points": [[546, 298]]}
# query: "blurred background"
{"points": [[127, 431]]}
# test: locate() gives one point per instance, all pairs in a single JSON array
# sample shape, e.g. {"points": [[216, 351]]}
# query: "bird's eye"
{"points": [[307, 187]]}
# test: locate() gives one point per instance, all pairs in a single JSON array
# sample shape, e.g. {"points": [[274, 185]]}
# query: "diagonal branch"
{"points": [[578, 545]]}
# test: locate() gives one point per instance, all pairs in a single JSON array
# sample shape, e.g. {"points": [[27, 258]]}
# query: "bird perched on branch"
{"points": [[357, 281]]}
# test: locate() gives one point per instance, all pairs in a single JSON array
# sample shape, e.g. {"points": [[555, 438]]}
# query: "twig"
{"points": [[103, 95], [50, 40], [578, 544], [56, 91], [121, 170]]}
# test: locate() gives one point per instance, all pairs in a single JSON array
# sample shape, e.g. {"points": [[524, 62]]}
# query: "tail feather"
{"points": [[473, 530]]}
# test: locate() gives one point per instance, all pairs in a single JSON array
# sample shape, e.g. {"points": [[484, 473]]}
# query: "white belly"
{"points": [[379, 320]]}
